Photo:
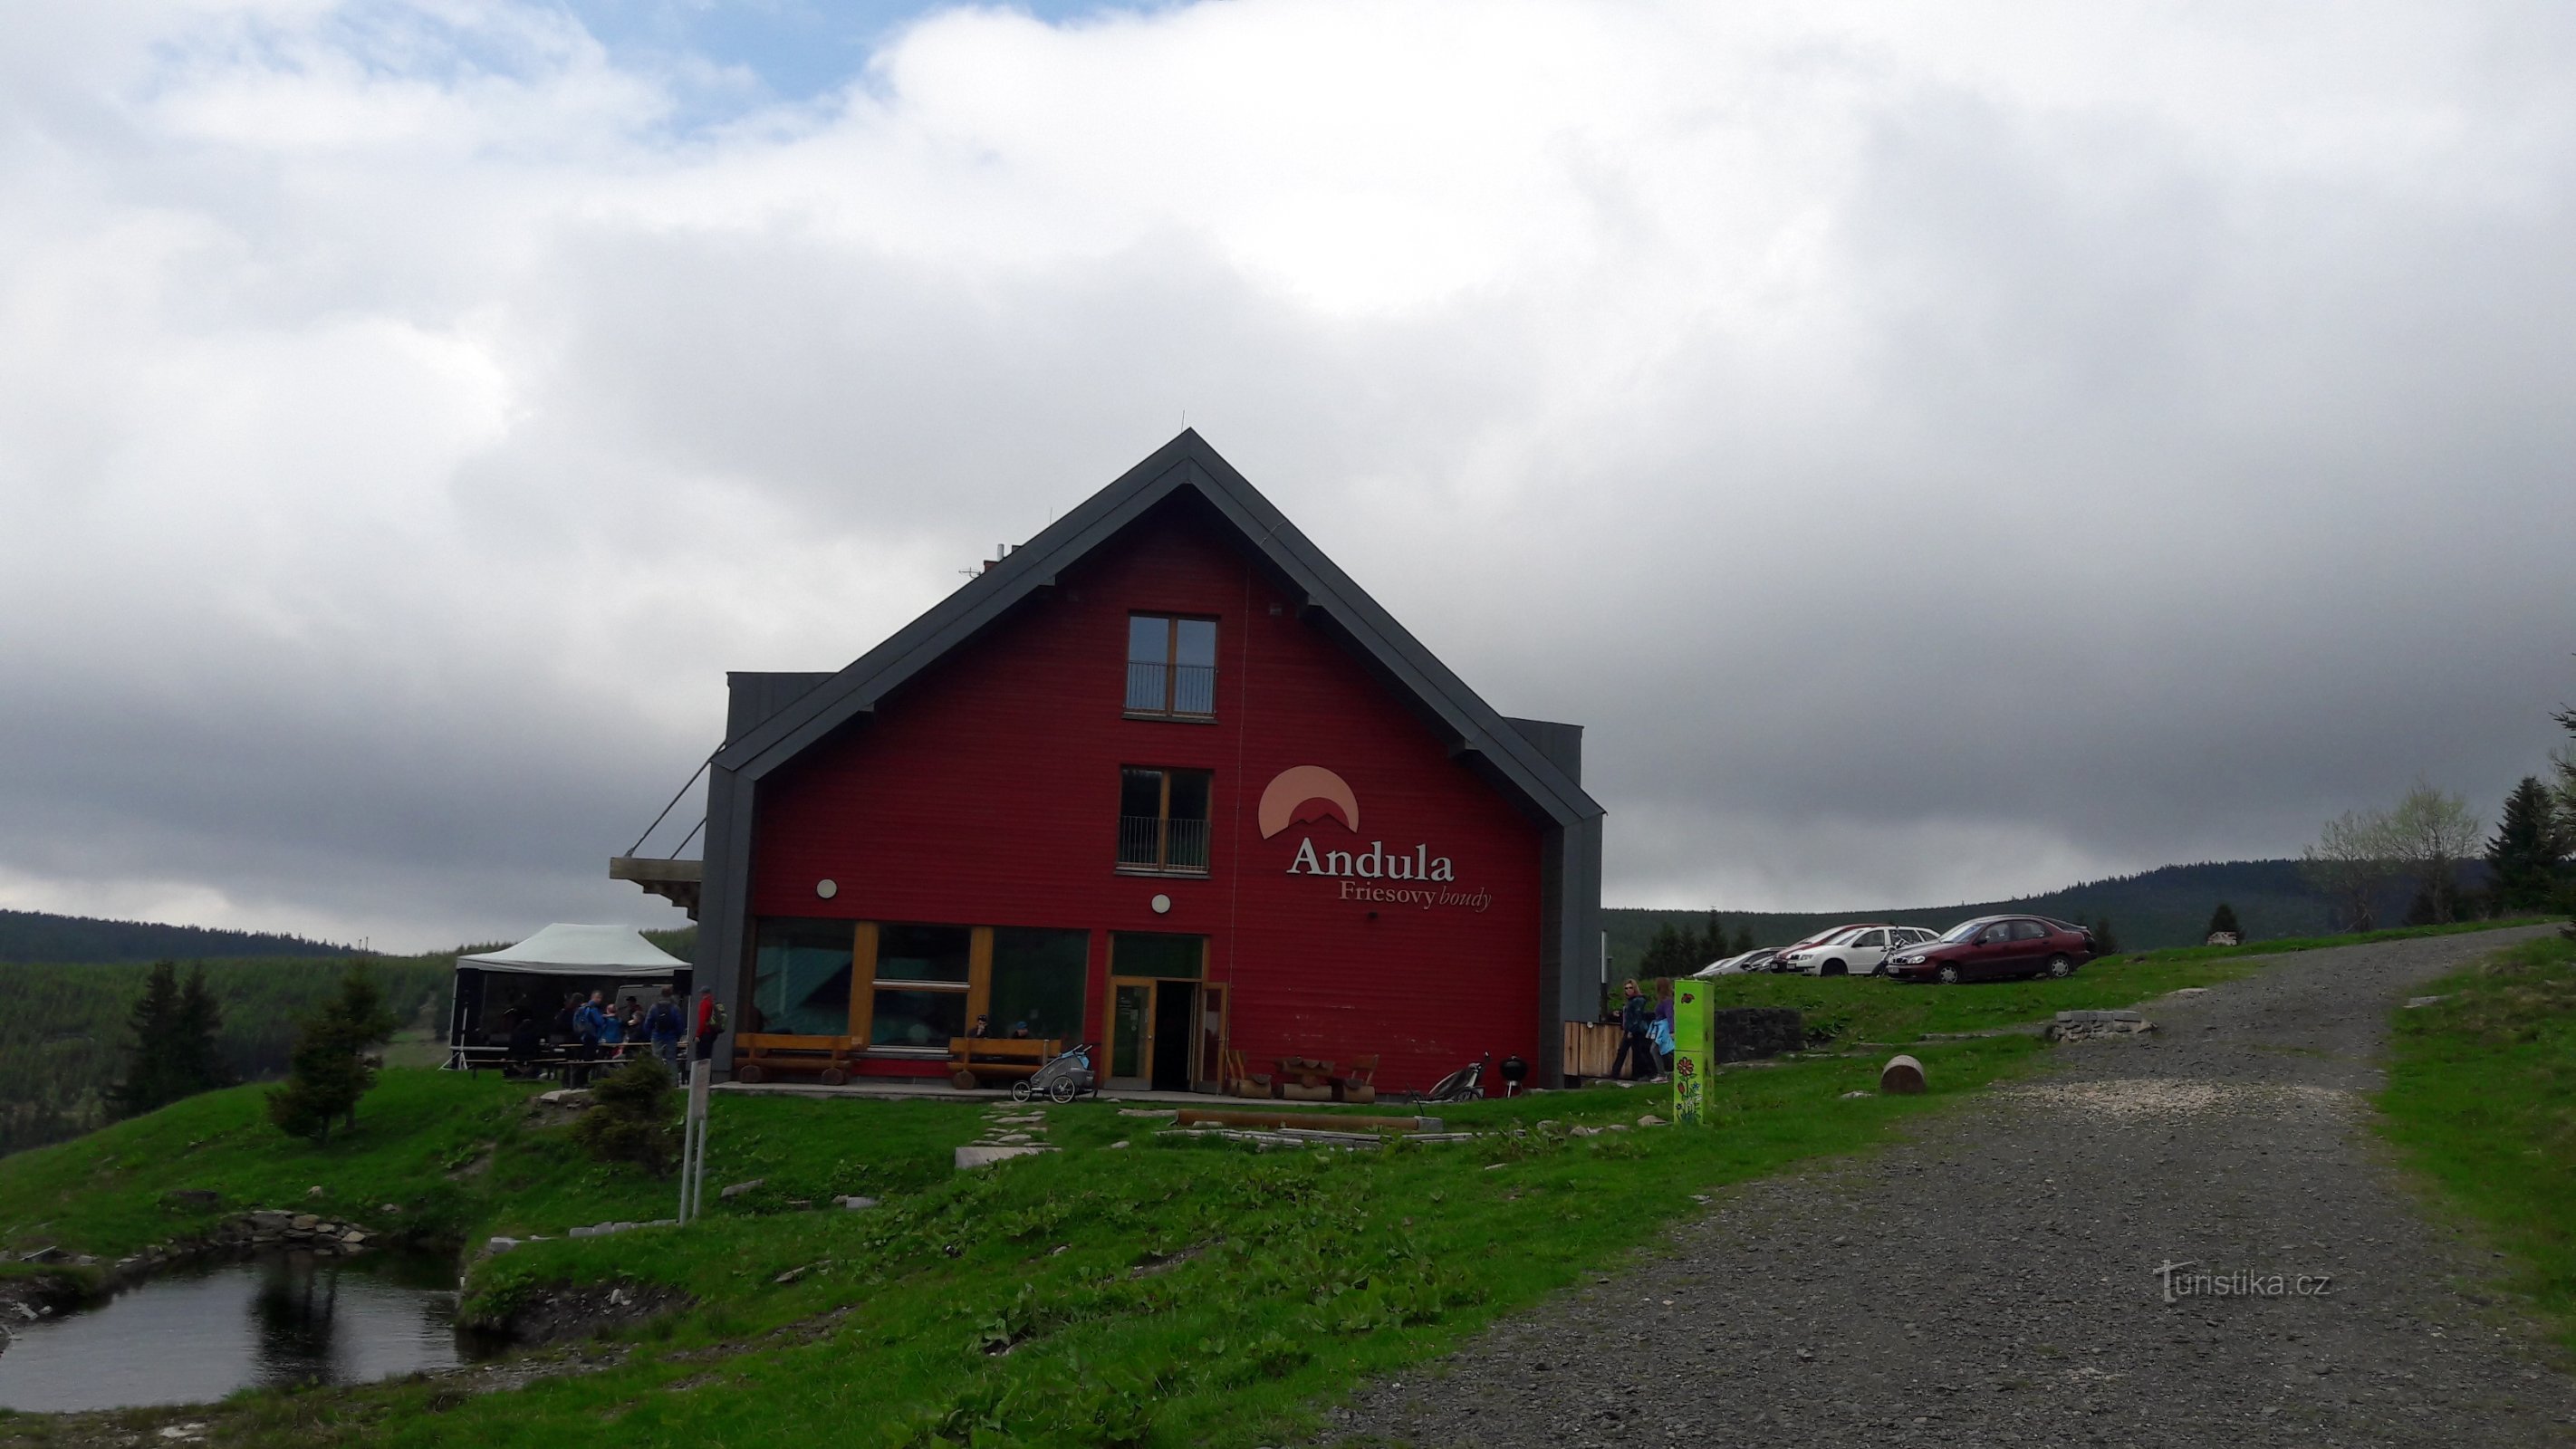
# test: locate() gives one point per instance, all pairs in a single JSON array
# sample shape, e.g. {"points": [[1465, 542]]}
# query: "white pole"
{"points": [[693, 1143]]}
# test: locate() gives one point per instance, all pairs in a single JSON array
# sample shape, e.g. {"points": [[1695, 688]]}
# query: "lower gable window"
{"points": [[1163, 820]]}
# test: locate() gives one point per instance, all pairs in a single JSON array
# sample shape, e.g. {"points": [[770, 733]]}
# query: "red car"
{"points": [[1995, 946]]}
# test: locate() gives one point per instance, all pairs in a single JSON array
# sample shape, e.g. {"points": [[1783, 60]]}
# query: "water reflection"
{"points": [[191, 1336]]}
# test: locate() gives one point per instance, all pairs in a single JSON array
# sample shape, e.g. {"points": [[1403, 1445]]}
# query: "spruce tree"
{"points": [[2529, 853], [151, 1072], [331, 1068], [1743, 941], [2224, 919], [196, 1052], [2104, 943]]}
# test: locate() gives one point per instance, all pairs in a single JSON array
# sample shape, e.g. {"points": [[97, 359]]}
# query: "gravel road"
{"points": [[1992, 1278]]}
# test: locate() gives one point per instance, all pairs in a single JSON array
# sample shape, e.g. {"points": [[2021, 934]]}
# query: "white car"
{"points": [[1858, 950]]}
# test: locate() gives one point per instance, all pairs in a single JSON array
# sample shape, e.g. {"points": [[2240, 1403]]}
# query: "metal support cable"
{"points": [[685, 839], [675, 800]]}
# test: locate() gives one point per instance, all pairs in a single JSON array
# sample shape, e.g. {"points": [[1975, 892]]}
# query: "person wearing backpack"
{"points": [[590, 1027], [711, 1023], [662, 1024]]}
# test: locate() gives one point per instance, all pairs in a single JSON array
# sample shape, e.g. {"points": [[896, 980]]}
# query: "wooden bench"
{"points": [[1006, 1058], [757, 1054]]}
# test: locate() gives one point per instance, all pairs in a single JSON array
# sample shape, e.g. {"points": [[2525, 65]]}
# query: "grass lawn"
{"points": [[1163, 1292], [2481, 1098]]}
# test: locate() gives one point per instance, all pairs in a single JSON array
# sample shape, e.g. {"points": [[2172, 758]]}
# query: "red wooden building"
{"points": [[1166, 780]]}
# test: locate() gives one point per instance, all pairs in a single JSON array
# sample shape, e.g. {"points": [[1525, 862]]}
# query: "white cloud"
{"points": [[2040, 442]]}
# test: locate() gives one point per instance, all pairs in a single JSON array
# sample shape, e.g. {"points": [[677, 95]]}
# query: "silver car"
{"points": [[1857, 950]]}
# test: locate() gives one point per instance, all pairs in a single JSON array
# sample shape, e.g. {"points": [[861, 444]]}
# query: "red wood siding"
{"points": [[986, 793]]}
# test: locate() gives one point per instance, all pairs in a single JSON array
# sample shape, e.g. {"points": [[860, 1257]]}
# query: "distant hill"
{"points": [[2168, 906], [72, 940]]}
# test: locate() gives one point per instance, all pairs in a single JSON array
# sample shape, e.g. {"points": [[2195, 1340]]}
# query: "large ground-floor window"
{"points": [[800, 982], [923, 977], [900, 986]]}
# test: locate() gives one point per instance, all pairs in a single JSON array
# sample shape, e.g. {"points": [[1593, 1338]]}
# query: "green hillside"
{"points": [[63, 1036], [2149, 911]]}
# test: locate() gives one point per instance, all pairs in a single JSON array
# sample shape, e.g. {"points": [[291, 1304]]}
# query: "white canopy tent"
{"points": [[561, 950], [535, 976]]}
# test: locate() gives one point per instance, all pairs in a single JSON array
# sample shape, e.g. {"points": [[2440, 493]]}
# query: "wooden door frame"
{"points": [[1109, 1033], [1199, 1071]]}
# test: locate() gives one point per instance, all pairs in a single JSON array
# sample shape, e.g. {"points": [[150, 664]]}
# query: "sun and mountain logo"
{"points": [[1311, 794], [1304, 794]]}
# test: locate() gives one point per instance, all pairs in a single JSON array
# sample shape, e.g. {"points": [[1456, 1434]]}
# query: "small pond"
{"points": [[197, 1334]]}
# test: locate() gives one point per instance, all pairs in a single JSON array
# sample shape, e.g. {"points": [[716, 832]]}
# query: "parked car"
{"points": [[1786, 957], [1855, 950], [1996, 946], [1737, 965]]}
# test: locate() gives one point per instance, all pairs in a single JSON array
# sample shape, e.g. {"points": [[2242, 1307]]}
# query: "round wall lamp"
{"points": [[827, 888], [1162, 905]]}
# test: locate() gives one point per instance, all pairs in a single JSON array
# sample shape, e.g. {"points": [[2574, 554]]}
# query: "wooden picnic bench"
{"points": [[758, 1054], [1007, 1058]]}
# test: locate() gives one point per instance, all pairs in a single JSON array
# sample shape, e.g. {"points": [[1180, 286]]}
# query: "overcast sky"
{"points": [[1939, 452]]}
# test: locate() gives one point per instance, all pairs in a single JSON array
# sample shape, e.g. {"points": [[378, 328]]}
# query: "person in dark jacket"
{"points": [[664, 1026], [1634, 1059], [1635, 1015]]}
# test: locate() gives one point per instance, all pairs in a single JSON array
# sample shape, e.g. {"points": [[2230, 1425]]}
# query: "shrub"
{"points": [[634, 1117]]}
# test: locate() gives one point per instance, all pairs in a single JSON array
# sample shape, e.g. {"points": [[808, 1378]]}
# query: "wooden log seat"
{"points": [[985, 1058], [1241, 1080], [757, 1056], [1359, 1084]]}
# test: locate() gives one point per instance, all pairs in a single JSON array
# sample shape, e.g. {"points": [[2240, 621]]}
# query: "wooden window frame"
{"points": [[977, 987], [1171, 667], [1162, 865]]}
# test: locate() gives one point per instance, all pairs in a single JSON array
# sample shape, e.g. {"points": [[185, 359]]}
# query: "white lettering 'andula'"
{"points": [[1373, 863]]}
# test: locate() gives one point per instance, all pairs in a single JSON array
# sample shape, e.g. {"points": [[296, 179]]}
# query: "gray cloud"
{"points": [[1932, 464]]}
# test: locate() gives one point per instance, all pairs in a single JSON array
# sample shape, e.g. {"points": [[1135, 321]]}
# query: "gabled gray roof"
{"points": [[1184, 463]]}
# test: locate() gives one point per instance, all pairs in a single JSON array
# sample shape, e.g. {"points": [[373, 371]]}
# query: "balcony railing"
{"points": [[1173, 689], [1151, 842]]}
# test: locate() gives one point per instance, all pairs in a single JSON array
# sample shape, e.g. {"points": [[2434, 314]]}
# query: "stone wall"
{"points": [[1744, 1033]]}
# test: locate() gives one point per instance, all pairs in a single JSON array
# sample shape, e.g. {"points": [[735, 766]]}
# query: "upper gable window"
{"points": [[1171, 667]]}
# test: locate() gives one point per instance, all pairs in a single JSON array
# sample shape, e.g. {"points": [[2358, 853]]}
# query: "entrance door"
{"points": [[1175, 1042], [1155, 1021]]}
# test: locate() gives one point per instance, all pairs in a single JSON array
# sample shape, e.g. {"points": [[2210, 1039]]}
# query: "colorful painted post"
{"points": [[1692, 1047]]}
